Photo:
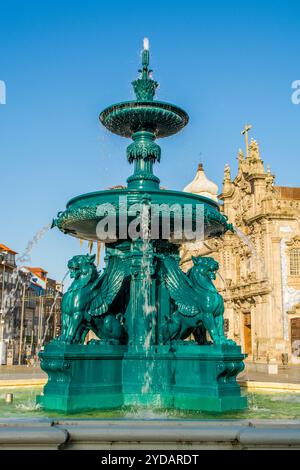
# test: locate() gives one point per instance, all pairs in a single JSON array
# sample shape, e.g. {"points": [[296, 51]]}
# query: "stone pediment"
{"points": [[295, 310], [294, 242]]}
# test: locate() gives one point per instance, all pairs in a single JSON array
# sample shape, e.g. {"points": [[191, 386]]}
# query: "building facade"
{"points": [[260, 262], [7, 284], [30, 309]]}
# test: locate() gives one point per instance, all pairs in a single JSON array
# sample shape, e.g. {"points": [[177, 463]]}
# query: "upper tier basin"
{"points": [[163, 119]]}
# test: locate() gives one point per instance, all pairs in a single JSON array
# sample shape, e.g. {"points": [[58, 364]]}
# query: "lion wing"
{"points": [[112, 280], [180, 288]]}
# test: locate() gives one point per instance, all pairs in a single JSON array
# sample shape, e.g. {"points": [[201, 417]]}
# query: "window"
{"points": [[7, 258], [295, 262], [226, 326], [11, 258]]}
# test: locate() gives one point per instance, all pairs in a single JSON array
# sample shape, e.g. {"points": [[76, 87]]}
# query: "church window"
{"points": [[226, 326], [295, 262]]}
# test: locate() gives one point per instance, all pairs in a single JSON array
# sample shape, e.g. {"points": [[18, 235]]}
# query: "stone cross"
{"points": [[245, 133]]}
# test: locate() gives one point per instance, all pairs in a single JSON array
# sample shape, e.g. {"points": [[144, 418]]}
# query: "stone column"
{"points": [[276, 312]]}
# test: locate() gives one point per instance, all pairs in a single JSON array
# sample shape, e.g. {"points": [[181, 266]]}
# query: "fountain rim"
{"points": [[133, 105], [127, 191], [84, 208]]}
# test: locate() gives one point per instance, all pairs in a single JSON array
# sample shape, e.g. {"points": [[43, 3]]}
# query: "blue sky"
{"points": [[225, 62]]}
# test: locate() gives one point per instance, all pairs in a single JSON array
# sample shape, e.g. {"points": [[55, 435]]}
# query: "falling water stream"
{"points": [[147, 307], [10, 297], [26, 256], [224, 283]]}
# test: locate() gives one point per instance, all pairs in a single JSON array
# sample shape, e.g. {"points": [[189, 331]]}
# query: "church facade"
{"points": [[260, 262]]}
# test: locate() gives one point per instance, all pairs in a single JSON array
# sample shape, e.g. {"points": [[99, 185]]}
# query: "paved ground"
{"points": [[286, 374], [289, 374], [21, 372]]}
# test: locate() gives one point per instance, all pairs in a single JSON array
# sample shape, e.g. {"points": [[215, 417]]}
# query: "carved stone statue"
{"points": [[85, 305], [200, 307]]}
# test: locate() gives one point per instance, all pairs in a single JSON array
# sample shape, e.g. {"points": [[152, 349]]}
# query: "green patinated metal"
{"points": [[160, 330]]}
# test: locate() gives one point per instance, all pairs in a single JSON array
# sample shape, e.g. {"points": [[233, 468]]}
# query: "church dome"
{"points": [[202, 186]]}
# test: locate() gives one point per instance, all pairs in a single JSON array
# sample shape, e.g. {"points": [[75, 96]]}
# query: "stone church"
{"points": [[260, 263]]}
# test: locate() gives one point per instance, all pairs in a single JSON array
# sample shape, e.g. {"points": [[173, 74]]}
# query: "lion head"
{"points": [[82, 269], [206, 266]]}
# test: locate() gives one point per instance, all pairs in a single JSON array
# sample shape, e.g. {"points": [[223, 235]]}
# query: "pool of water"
{"points": [[262, 405]]}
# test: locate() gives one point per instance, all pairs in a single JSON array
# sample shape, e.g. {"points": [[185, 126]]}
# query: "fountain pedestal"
{"points": [[205, 378], [82, 377], [98, 376]]}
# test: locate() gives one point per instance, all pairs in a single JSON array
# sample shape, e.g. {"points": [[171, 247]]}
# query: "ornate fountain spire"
{"points": [[144, 151], [144, 120], [144, 87]]}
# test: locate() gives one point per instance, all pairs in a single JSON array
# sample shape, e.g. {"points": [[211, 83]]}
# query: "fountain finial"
{"points": [[144, 87]]}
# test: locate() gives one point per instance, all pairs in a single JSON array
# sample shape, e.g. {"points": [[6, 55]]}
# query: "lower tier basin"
{"points": [[262, 405]]}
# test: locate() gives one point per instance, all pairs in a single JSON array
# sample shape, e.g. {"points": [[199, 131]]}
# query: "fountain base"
{"points": [[82, 377], [205, 378], [101, 376]]}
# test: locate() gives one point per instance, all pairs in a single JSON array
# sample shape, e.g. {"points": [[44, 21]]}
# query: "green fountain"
{"points": [[160, 331]]}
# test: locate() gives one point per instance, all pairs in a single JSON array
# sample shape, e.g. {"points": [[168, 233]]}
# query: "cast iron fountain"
{"points": [[161, 342]]}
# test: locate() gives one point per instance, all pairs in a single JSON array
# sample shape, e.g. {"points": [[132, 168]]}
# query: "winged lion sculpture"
{"points": [[200, 307], [85, 305]]}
